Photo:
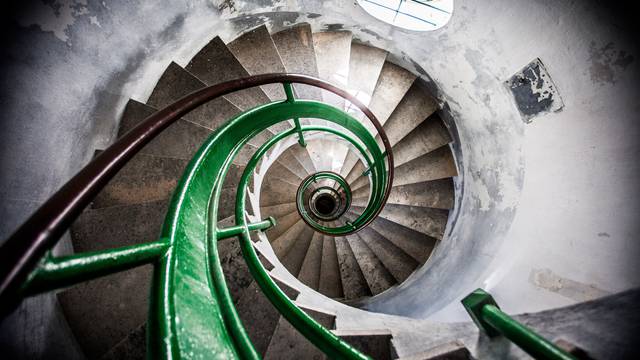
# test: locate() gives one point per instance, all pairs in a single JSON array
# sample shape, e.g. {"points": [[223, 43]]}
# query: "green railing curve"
{"points": [[191, 312]]}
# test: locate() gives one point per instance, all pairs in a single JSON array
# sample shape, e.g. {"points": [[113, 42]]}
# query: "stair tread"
{"points": [[330, 282], [414, 243], [333, 50], [414, 108], [291, 162], [180, 140], [438, 194], [376, 275], [275, 191], [435, 165], [289, 343], [258, 54], [177, 82], [430, 135], [283, 243], [354, 285], [295, 46], [143, 179], [395, 260], [310, 272], [428, 221], [393, 83], [258, 315], [295, 255], [365, 64], [215, 64], [283, 223]]}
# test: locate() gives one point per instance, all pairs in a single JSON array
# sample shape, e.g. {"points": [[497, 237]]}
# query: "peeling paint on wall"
{"points": [[534, 91]]}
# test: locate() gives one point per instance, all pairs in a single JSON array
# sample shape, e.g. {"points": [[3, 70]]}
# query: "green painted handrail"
{"points": [[494, 322], [189, 278], [308, 181]]}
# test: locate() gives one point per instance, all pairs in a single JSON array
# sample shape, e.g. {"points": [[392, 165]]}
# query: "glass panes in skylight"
{"points": [[418, 15]]}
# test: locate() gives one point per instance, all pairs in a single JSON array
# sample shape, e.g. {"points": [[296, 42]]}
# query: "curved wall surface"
{"points": [[547, 212]]}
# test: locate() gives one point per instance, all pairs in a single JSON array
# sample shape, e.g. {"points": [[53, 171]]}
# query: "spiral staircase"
{"points": [[308, 202]]}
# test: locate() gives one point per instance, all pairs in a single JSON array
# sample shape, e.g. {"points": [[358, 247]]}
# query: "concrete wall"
{"points": [[548, 211]]}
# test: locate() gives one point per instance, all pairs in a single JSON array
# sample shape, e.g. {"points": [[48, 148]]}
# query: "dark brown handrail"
{"points": [[20, 254]]}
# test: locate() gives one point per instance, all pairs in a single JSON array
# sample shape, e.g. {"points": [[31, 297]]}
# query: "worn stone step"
{"points": [[143, 179], [395, 260], [180, 140], [132, 347], [365, 64], [438, 164], [295, 46], [375, 344], [302, 155], [104, 311], [330, 283], [177, 82], [283, 173], [215, 63], [320, 152], [437, 194], [283, 243], [294, 257], [414, 243], [311, 266], [278, 211], [291, 162], [333, 50], [349, 162], [412, 110], [259, 317], [377, 276], [288, 343], [428, 221], [354, 285], [258, 54], [393, 83], [275, 191], [283, 223], [430, 135]]}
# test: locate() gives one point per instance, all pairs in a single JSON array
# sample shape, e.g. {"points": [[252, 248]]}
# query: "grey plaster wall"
{"points": [[548, 211]]}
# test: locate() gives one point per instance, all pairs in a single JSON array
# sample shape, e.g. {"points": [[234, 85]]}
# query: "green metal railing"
{"points": [[492, 321], [302, 205]]}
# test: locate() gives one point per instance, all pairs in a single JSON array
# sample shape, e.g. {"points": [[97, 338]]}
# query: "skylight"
{"points": [[418, 15]]}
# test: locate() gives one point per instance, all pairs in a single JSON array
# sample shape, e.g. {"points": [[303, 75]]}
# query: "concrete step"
{"points": [[180, 140], [177, 82], [302, 155], [330, 283], [258, 54], [354, 285], [104, 311], [144, 179], [349, 162], [294, 257], [283, 223], [365, 64], [295, 46], [430, 135], [279, 171], [283, 243], [437, 194], [428, 221], [414, 243], [259, 317], [438, 164], [214, 64], [278, 211], [412, 110], [291, 162], [377, 276], [311, 266], [393, 83], [275, 191], [375, 344], [333, 50], [132, 347], [395, 260], [289, 343], [320, 152]]}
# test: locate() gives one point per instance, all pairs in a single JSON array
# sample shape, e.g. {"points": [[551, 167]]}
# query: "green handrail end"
{"points": [[236, 230], [61, 272], [288, 90], [474, 303], [494, 322]]}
